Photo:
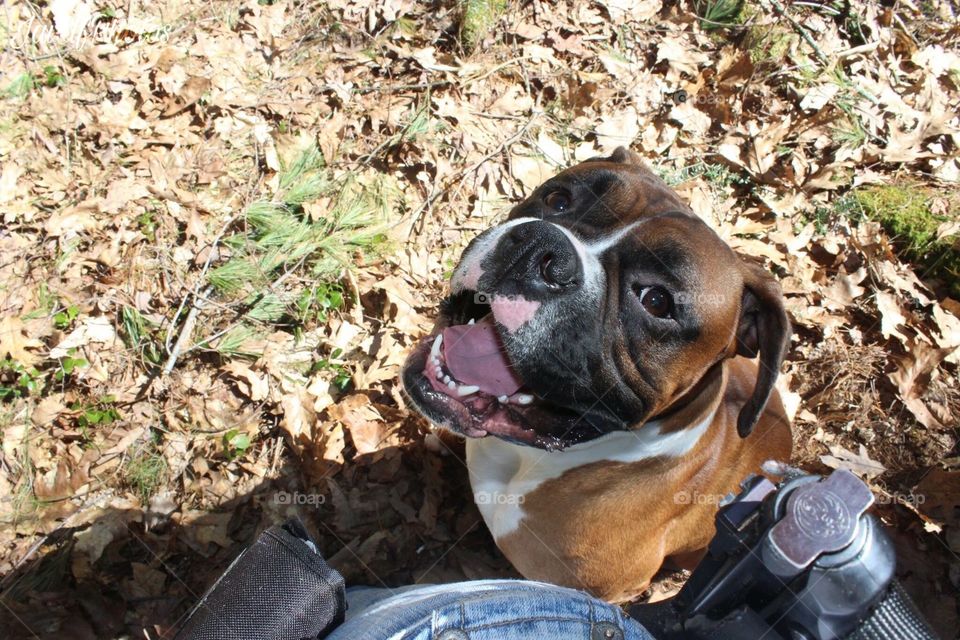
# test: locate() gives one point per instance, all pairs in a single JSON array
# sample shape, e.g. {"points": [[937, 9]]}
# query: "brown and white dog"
{"points": [[595, 351]]}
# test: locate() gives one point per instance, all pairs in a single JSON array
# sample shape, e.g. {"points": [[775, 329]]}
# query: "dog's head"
{"points": [[601, 302]]}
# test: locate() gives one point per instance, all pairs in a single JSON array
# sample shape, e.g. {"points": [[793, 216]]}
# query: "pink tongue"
{"points": [[474, 355]]}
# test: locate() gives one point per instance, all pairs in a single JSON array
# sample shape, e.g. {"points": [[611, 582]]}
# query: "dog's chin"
{"points": [[503, 405]]}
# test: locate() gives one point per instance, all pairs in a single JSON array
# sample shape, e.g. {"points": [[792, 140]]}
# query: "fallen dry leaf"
{"points": [[858, 463], [366, 427], [891, 317], [844, 290], [15, 344], [912, 376], [97, 329], [254, 386]]}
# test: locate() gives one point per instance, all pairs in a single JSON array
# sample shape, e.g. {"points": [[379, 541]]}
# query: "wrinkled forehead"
{"points": [[681, 247], [609, 195], [628, 213]]}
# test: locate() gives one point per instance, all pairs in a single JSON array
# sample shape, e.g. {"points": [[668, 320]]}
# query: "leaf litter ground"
{"points": [[224, 224]]}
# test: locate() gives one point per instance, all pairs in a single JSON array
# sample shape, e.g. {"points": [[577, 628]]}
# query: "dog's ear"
{"points": [[622, 155], [764, 328]]}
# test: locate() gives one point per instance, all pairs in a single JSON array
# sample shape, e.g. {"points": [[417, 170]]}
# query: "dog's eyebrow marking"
{"points": [[590, 252], [598, 247], [666, 258]]}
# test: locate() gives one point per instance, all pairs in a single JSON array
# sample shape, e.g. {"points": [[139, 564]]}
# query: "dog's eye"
{"points": [[657, 301], [559, 201]]}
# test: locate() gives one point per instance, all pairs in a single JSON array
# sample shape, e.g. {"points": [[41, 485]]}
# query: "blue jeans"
{"points": [[483, 610]]}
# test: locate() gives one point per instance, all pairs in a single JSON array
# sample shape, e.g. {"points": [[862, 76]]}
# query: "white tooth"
{"points": [[472, 320], [451, 385], [435, 349], [447, 379], [502, 399], [522, 398], [435, 360], [467, 389]]}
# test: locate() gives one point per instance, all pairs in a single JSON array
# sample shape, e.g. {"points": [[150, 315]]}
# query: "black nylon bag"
{"points": [[279, 588]]}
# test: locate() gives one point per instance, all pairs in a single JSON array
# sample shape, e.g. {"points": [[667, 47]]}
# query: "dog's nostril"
{"points": [[545, 263], [554, 271]]}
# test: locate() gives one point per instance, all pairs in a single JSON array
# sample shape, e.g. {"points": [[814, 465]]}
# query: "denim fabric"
{"points": [[483, 610]]}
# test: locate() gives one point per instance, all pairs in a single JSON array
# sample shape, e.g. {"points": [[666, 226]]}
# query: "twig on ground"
{"points": [[167, 342], [459, 175], [199, 301], [870, 47], [423, 86], [782, 12], [203, 275], [905, 28], [243, 311]]}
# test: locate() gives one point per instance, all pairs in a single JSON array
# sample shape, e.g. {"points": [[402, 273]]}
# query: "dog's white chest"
{"points": [[503, 474]]}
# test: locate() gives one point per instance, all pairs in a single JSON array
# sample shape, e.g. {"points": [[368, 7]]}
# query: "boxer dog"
{"points": [[595, 349]]}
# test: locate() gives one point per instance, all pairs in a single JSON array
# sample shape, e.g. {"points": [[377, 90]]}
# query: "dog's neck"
{"points": [[700, 399], [500, 471]]}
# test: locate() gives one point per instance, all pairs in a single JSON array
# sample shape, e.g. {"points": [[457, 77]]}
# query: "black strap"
{"points": [[280, 588], [895, 618]]}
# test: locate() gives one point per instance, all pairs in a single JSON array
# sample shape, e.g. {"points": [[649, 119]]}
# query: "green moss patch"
{"points": [[907, 213], [769, 43]]}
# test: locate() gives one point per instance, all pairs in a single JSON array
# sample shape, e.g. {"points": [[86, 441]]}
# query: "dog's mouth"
{"points": [[462, 377]]}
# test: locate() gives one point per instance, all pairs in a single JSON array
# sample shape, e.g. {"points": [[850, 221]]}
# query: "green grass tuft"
{"points": [[719, 14], [146, 472], [267, 307], [306, 164], [231, 343], [20, 87], [137, 334], [478, 18], [717, 175], [280, 237], [290, 246]]}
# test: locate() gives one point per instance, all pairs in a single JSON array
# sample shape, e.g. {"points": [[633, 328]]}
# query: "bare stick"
{"points": [[203, 274], [778, 8], [459, 175], [199, 301]]}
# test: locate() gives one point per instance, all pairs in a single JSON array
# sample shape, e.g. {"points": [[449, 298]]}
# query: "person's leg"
{"points": [[359, 599], [483, 610]]}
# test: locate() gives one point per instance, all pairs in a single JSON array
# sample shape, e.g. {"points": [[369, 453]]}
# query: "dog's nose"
{"points": [[540, 257]]}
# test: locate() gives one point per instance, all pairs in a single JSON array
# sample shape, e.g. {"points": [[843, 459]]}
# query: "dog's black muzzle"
{"points": [[534, 259]]}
